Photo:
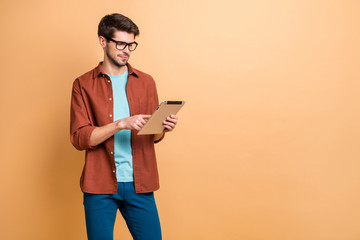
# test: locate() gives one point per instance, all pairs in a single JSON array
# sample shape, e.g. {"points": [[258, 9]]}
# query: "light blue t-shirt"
{"points": [[122, 145]]}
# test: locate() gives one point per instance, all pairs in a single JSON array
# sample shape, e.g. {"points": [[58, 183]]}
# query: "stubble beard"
{"points": [[115, 62]]}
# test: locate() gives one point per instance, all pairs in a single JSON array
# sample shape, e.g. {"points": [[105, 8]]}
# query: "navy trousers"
{"points": [[138, 209]]}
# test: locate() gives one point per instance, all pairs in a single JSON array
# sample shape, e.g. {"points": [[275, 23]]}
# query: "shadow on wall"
{"points": [[63, 196]]}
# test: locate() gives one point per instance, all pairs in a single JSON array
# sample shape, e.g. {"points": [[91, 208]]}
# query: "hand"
{"points": [[135, 122], [170, 123]]}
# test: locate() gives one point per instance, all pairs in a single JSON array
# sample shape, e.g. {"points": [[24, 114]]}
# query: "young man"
{"points": [[109, 105]]}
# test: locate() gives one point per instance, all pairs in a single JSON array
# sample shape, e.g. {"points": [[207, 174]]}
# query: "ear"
{"points": [[102, 41]]}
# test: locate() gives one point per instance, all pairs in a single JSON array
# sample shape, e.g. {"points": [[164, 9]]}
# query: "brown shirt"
{"points": [[92, 106]]}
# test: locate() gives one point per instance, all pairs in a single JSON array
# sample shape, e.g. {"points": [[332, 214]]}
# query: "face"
{"points": [[117, 57]]}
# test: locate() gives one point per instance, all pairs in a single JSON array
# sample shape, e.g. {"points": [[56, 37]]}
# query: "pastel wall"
{"points": [[267, 147]]}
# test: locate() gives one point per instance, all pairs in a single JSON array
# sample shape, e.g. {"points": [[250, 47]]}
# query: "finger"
{"points": [[172, 120], [145, 116], [141, 121], [136, 124], [138, 120], [174, 116], [168, 124], [168, 128]]}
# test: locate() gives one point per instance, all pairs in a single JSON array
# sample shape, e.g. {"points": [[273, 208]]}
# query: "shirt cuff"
{"points": [[162, 137]]}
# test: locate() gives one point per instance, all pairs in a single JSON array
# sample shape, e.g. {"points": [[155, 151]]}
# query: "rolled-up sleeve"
{"points": [[80, 124]]}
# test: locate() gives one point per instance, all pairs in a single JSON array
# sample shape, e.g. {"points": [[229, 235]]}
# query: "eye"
{"points": [[121, 44]]}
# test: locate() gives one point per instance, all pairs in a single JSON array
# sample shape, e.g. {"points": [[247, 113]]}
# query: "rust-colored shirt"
{"points": [[92, 106]]}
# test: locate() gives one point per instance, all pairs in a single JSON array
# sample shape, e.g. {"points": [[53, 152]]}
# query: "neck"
{"points": [[112, 69]]}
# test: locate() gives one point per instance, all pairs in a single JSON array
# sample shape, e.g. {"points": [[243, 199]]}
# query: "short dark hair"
{"points": [[110, 23]]}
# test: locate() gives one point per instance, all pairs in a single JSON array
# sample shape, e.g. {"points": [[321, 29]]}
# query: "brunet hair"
{"points": [[116, 22]]}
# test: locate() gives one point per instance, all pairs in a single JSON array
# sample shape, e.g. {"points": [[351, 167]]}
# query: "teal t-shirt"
{"points": [[122, 145]]}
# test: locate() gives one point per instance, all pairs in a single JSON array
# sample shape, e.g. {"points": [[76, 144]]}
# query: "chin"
{"points": [[120, 64]]}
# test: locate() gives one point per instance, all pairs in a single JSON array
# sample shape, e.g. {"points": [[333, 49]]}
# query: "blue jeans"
{"points": [[138, 209]]}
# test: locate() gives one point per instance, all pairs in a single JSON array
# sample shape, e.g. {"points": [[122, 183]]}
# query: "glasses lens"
{"points": [[120, 45], [132, 46]]}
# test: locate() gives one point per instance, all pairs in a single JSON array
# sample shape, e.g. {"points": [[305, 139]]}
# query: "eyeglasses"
{"points": [[122, 45]]}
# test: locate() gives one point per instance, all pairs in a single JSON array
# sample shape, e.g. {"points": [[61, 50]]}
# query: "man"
{"points": [[109, 105]]}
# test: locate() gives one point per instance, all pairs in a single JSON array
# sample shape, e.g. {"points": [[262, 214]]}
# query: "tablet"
{"points": [[165, 109]]}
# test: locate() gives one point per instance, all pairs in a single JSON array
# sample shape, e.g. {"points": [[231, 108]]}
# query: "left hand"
{"points": [[170, 123]]}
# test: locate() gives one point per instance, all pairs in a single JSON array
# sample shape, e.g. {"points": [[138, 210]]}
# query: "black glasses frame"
{"points": [[120, 42]]}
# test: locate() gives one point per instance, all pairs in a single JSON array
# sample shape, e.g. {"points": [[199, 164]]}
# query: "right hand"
{"points": [[135, 122]]}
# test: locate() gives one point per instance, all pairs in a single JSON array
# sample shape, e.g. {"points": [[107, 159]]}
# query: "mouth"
{"points": [[123, 57]]}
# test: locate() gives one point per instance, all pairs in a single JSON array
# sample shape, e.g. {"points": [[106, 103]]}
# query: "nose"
{"points": [[126, 49]]}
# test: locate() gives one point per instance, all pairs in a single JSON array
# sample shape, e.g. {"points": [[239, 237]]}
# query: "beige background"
{"points": [[268, 143]]}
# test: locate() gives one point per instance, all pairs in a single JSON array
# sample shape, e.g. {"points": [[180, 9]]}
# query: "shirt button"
{"points": [[110, 99], [114, 171], [110, 115], [111, 153], [109, 81]]}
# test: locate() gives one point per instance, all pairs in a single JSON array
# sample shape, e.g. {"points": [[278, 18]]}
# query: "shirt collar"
{"points": [[98, 71]]}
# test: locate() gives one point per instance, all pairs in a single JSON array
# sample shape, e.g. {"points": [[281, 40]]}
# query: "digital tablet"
{"points": [[154, 124]]}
